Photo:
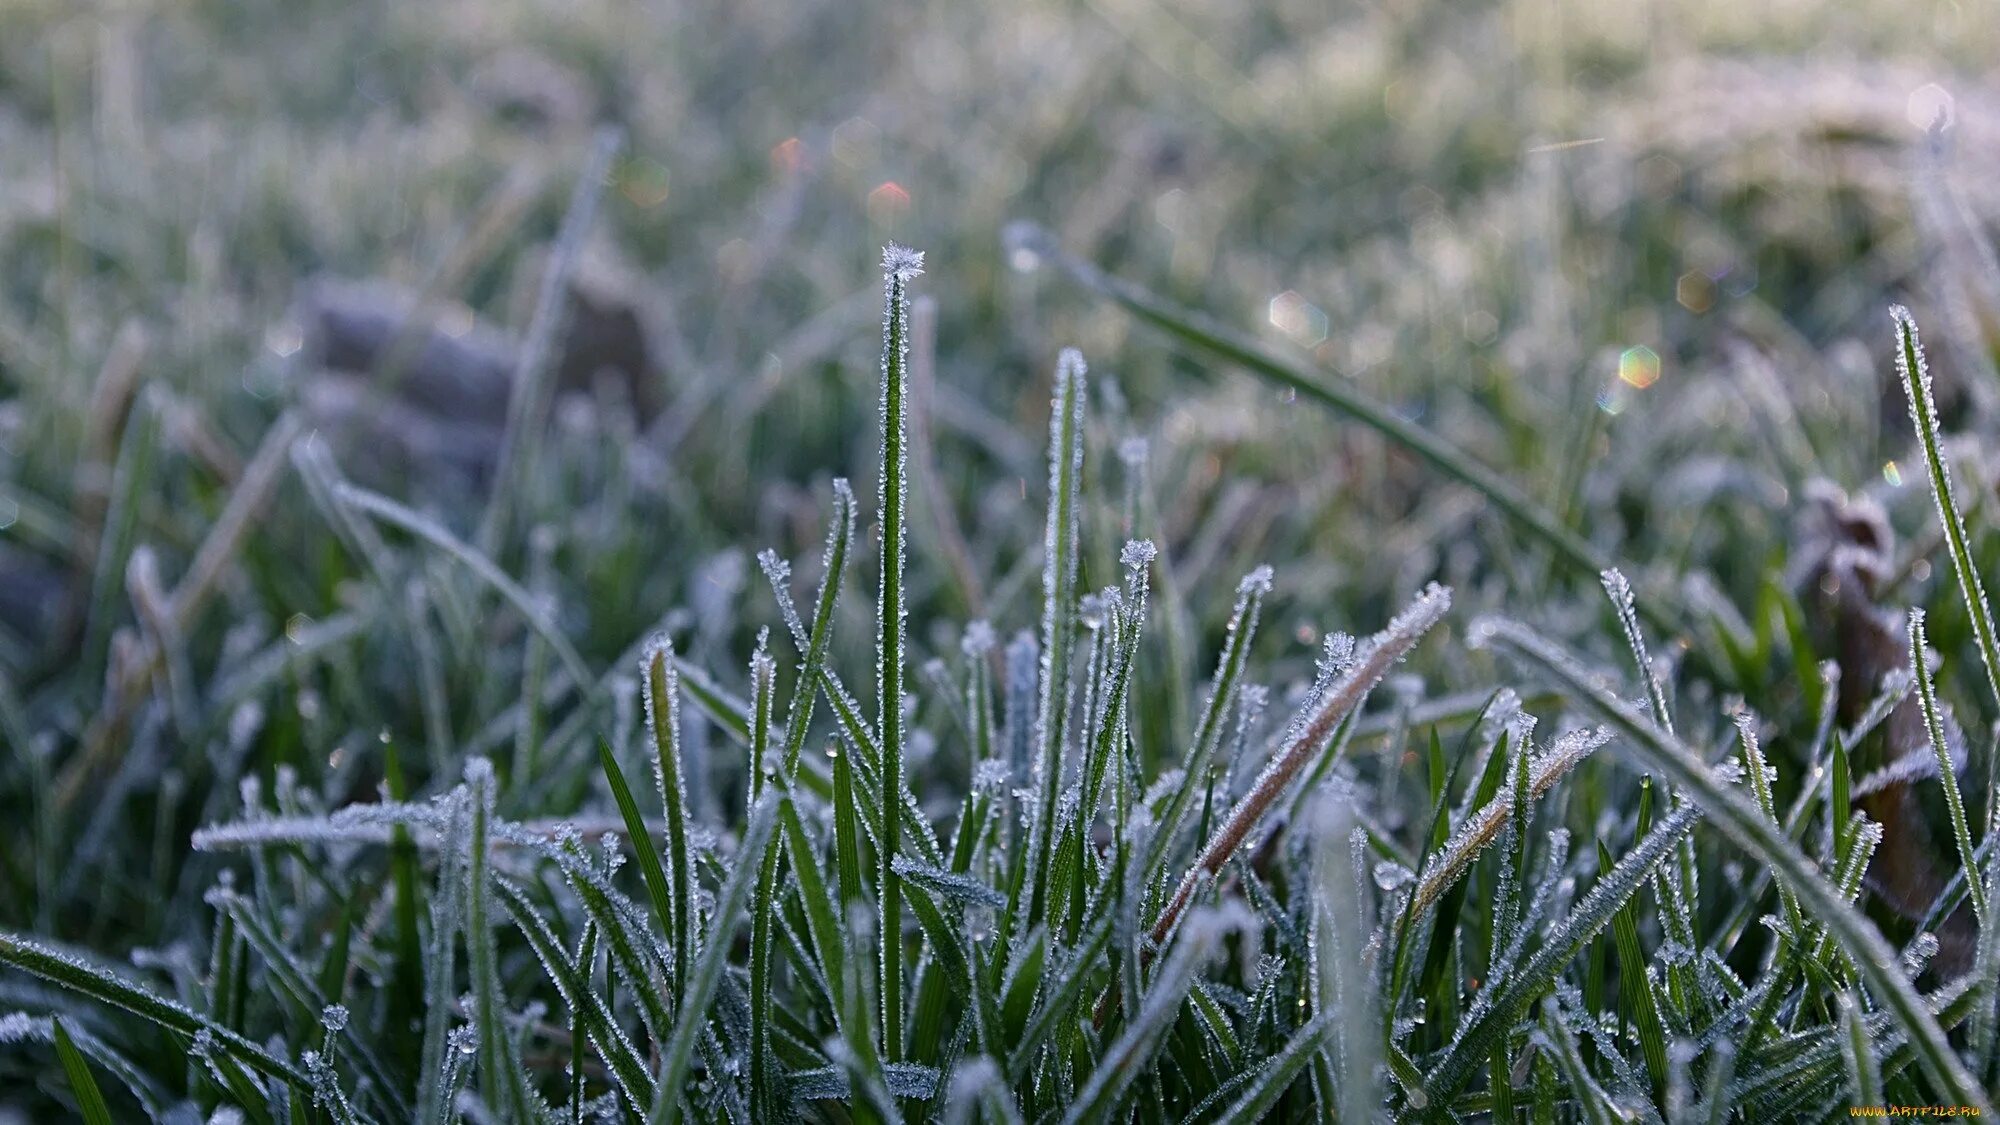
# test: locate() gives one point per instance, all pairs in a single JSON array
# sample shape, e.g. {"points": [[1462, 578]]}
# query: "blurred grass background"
{"points": [[1636, 257]]}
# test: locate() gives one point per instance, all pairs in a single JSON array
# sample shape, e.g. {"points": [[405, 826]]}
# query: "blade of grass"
{"points": [[533, 384], [1915, 376], [1744, 824], [660, 678], [89, 1099], [1947, 773], [899, 267], [1060, 555], [60, 969], [1501, 1005], [706, 974], [642, 840], [1388, 647], [1206, 336], [1857, 1050]]}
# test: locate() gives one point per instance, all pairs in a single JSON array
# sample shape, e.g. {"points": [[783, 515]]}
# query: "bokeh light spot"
{"points": [[887, 201], [1639, 367], [1931, 104], [1695, 292], [1298, 318], [787, 156]]}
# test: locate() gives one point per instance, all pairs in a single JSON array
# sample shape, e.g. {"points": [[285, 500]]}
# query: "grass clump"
{"points": [[1014, 892]]}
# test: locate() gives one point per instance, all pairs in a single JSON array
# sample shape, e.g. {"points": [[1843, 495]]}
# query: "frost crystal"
{"points": [[1138, 553], [979, 638], [333, 1017], [1133, 452], [901, 262], [1919, 953], [1337, 654], [1390, 875], [1257, 581], [990, 777]]}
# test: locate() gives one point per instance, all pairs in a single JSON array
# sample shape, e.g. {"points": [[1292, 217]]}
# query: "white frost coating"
{"points": [[1320, 716], [901, 262], [1917, 955], [333, 1017], [990, 777], [1483, 827], [778, 573], [1257, 581], [979, 638], [1059, 566], [1620, 593], [1924, 418], [660, 647], [1133, 452], [1138, 553], [1337, 655], [20, 1027]]}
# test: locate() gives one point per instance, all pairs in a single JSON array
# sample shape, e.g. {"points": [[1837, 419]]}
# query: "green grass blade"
{"points": [[899, 267], [589, 1007], [840, 533], [706, 975], [1205, 336], [1954, 801], [660, 676], [828, 935], [504, 1080], [1745, 825], [1857, 1051], [1915, 376], [764, 1086], [1060, 556], [1505, 1001], [89, 1099], [1634, 988], [1584, 1091], [642, 840], [1340, 698], [68, 972]]}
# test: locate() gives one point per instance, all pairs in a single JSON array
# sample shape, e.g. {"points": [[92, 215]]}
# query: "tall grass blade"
{"points": [[533, 384], [1205, 336], [706, 974], [1915, 376], [1749, 829], [1313, 726], [89, 1099], [660, 678], [899, 267], [1975, 884]]}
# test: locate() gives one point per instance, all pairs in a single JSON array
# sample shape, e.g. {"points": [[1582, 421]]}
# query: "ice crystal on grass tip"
{"points": [[979, 639], [1258, 581], [901, 262], [1138, 553]]}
